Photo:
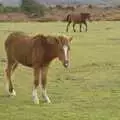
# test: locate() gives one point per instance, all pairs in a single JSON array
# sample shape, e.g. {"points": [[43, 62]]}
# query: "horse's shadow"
{"points": [[5, 96]]}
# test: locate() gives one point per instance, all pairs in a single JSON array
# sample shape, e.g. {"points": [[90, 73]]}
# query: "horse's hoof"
{"points": [[35, 100], [13, 93], [48, 101]]}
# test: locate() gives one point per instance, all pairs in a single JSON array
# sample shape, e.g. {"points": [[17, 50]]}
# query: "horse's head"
{"points": [[64, 49]]}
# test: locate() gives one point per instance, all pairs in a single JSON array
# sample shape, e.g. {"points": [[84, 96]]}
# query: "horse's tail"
{"points": [[68, 17]]}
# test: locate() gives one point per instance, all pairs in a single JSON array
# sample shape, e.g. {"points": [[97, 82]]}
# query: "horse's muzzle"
{"points": [[66, 64]]}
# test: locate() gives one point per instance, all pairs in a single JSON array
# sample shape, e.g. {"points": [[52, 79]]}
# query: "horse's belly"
{"points": [[23, 56], [25, 60], [76, 21]]}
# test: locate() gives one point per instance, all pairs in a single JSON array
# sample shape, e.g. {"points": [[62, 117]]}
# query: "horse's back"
{"points": [[15, 37], [76, 17], [18, 47], [79, 17]]}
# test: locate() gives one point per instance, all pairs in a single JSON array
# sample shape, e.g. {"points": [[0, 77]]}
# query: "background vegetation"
{"points": [[27, 6]]}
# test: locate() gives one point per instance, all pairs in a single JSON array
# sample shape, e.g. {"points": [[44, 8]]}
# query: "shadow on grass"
{"points": [[115, 39], [80, 72]]}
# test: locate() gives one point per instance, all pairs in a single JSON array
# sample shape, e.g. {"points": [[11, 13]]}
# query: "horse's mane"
{"points": [[49, 39], [41, 38]]}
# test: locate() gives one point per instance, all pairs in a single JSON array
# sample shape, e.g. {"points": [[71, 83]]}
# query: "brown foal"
{"points": [[36, 52]]}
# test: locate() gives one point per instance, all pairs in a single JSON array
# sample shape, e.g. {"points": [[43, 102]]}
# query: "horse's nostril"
{"points": [[66, 64]]}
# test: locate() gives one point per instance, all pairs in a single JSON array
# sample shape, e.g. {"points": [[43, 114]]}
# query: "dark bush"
{"points": [[32, 7], [90, 6], [9, 9]]}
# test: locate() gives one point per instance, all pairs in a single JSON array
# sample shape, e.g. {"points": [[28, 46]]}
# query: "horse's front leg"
{"points": [[36, 84], [68, 26], [80, 27], [86, 26], [74, 27], [44, 72]]}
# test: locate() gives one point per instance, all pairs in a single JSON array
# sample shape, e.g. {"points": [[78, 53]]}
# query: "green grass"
{"points": [[89, 90]]}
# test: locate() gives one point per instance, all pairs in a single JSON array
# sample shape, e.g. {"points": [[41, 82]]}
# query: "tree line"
{"points": [[27, 6]]}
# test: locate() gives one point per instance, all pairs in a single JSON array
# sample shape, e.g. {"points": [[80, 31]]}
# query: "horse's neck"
{"points": [[51, 51]]}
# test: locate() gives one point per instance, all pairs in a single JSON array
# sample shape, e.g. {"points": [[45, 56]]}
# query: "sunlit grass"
{"points": [[89, 90]]}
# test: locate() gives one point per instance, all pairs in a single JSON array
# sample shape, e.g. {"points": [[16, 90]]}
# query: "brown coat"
{"points": [[37, 52], [29, 50]]}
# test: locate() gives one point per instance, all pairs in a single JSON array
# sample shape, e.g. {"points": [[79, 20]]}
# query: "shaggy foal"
{"points": [[36, 52]]}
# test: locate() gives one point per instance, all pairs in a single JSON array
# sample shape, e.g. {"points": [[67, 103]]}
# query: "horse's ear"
{"points": [[58, 39]]}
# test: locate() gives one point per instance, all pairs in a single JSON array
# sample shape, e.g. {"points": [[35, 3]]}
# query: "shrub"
{"points": [[32, 7]]}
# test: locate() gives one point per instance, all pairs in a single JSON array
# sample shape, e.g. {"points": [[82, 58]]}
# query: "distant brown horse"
{"points": [[78, 19], [36, 52]]}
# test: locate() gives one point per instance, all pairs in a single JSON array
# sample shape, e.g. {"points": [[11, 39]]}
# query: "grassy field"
{"points": [[89, 90]]}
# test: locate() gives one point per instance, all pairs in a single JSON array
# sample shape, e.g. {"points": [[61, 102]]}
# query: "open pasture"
{"points": [[88, 90]]}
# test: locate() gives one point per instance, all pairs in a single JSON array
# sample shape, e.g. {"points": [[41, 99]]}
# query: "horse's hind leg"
{"points": [[43, 83], [14, 67], [9, 70], [68, 26], [74, 27]]}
